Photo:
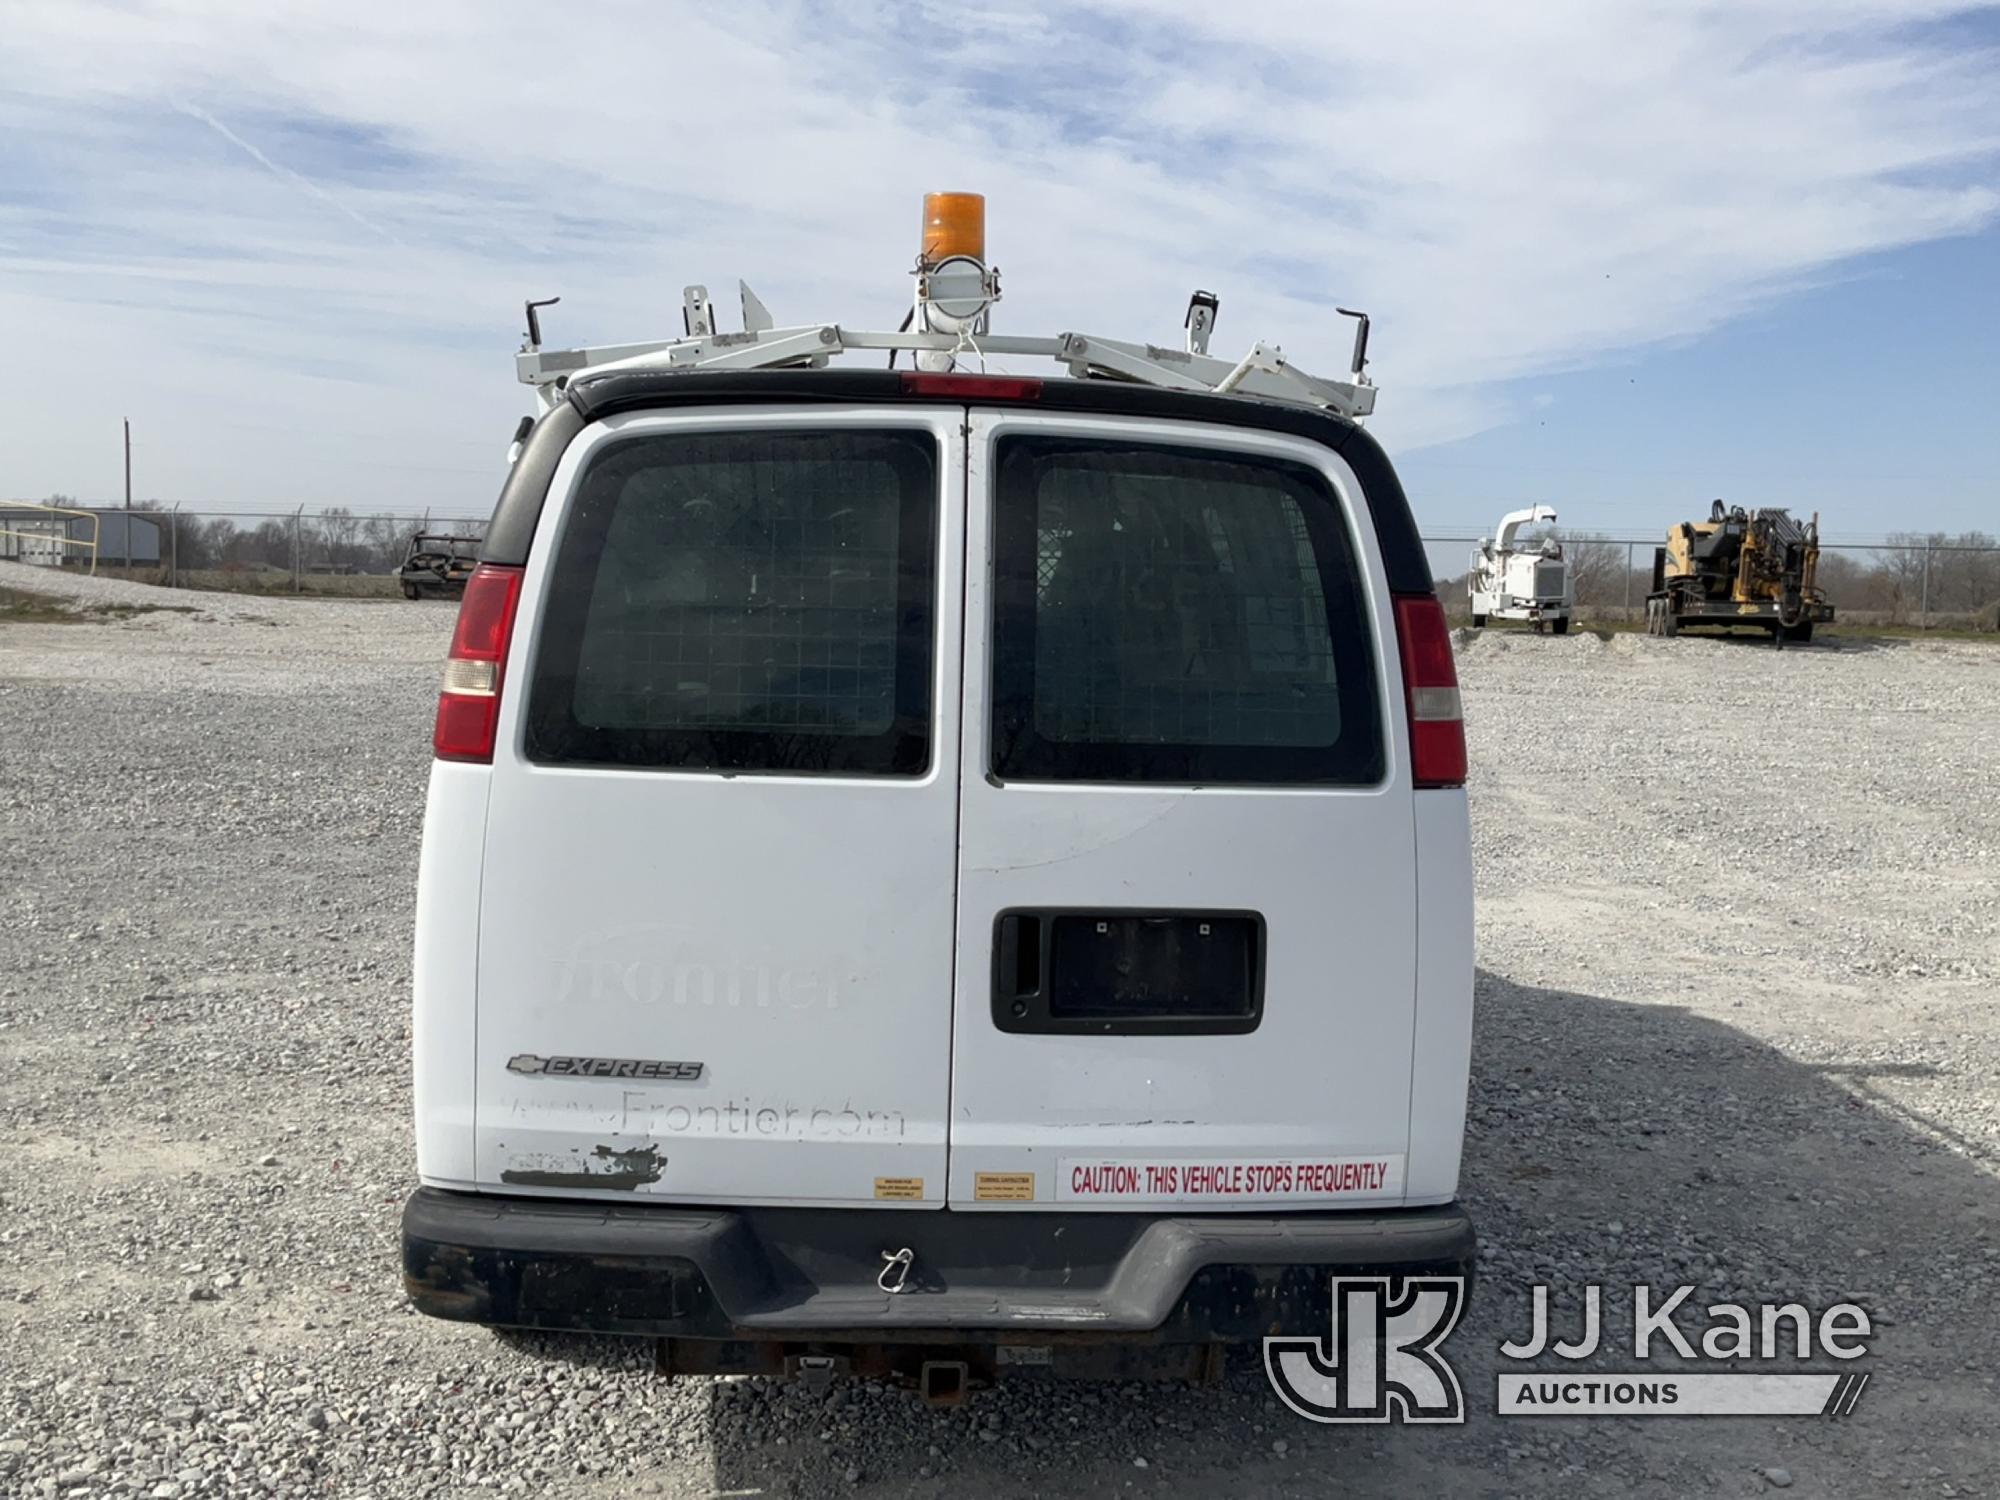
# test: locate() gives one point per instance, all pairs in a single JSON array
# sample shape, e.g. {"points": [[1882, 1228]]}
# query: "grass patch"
{"points": [[19, 607], [22, 607], [279, 584]]}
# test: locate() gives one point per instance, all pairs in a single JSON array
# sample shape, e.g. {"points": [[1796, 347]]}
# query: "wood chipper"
{"points": [[1531, 582], [1739, 568]]}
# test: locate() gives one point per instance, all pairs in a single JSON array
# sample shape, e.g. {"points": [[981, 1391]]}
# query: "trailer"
{"points": [[1739, 569], [1529, 583]]}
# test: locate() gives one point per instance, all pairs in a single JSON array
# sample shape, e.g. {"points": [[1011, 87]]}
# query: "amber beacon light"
{"points": [[954, 224]]}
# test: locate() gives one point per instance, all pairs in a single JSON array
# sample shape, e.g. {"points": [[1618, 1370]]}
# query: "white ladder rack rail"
{"points": [[1264, 371]]}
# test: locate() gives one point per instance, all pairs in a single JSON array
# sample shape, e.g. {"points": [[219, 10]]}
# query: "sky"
{"points": [[1621, 258]]}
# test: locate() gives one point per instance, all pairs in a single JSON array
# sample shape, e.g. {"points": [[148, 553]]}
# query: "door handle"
{"points": [[1017, 967]]}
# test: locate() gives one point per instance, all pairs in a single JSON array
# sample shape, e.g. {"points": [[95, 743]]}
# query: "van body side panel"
{"points": [[731, 982], [445, 973], [1443, 1052], [1304, 1105]]}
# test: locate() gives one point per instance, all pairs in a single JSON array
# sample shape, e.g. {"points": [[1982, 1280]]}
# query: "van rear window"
{"points": [[1176, 614], [743, 601]]}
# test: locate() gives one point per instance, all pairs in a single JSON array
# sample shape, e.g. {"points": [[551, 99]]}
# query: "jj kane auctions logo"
{"points": [[1381, 1359]]}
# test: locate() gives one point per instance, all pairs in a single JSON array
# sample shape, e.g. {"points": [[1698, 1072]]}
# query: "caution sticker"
{"points": [[1291, 1178], [1003, 1187], [903, 1189]]}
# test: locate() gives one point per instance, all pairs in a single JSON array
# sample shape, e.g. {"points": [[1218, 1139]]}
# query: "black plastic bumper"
{"points": [[778, 1274]]}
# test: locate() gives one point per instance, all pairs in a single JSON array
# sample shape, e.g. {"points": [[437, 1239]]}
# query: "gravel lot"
{"points": [[1739, 932]]}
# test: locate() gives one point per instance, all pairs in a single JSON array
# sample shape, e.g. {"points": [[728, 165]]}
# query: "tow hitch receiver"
{"points": [[943, 1382]]}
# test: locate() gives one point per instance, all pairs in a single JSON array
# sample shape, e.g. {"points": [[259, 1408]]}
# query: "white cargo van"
{"points": [[930, 871]]}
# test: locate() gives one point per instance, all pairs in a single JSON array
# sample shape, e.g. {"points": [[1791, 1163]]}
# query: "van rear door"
{"points": [[715, 949], [1186, 882]]}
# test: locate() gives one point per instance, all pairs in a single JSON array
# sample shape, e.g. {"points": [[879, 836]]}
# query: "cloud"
{"points": [[284, 174], [315, 303]]}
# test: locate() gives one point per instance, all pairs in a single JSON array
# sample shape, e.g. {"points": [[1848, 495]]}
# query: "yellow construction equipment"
{"points": [[1739, 568]]}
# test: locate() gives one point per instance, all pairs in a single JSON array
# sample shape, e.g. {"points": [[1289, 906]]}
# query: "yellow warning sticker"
{"points": [[904, 1188], [1004, 1187]]}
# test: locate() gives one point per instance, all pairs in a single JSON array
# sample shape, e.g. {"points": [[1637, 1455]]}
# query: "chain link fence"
{"points": [[335, 551], [1925, 580], [1930, 581]]}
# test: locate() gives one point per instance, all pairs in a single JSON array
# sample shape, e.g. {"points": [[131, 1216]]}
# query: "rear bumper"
{"points": [[810, 1274]]}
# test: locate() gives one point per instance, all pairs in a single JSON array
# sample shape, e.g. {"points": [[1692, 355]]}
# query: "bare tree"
{"points": [[1965, 573], [1853, 584], [270, 543], [1902, 571], [1596, 567], [336, 533], [1946, 574], [384, 540]]}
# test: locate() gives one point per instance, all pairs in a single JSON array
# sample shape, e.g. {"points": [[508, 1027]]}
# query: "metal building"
{"points": [[50, 535]]}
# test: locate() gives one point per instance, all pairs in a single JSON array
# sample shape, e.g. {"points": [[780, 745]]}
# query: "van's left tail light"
{"points": [[1430, 683], [468, 714]]}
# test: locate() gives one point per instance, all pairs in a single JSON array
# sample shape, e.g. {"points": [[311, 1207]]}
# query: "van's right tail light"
{"points": [[1437, 721], [468, 713]]}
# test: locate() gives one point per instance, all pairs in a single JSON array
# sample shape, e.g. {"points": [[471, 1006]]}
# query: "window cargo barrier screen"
{"points": [[745, 602], [1175, 614]]}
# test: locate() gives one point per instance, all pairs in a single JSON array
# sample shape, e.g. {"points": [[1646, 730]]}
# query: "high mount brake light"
{"points": [[1437, 720], [973, 387], [468, 711]]}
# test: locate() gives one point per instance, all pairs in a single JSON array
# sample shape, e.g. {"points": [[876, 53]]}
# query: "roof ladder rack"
{"points": [[1264, 371], [950, 319]]}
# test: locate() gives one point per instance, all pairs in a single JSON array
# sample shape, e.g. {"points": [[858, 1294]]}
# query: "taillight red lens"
{"points": [[973, 387], [1430, 681], [468, 711]]}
